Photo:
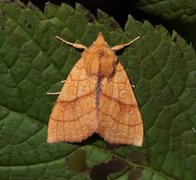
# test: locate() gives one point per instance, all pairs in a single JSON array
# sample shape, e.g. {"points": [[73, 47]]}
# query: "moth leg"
{"points": [[76, 45], [121, 46], [53, 93]]}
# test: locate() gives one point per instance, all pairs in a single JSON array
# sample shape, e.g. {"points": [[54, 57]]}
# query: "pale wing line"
{"points": [[131, 125], [115, 136], [79, 122], [56, 130], [58, 120], [134, 126], [63, 126], [101, 112], [133, 119], [64, 116], [81, 117], [81, 107], [129, 128], [75, 106], [77, 115], [76, 66], [113, 121], [117, 100]]}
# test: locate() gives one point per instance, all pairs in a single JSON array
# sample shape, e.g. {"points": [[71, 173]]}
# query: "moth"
{"points": [[97, 97]]}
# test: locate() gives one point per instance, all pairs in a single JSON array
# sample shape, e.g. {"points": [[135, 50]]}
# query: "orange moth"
{"points": [[97, 97]]}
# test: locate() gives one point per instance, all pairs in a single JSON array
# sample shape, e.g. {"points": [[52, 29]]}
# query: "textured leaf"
{"points": [[33, 62], [183, 10]]}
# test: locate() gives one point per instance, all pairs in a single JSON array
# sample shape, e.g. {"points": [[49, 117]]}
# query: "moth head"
{"points": [[99, 59], [100, 41]]}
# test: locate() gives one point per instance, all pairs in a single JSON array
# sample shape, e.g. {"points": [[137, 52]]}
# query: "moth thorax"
{"points": [[100, 62]]}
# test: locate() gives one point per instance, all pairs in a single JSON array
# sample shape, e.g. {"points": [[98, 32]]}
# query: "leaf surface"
{"points": [[33, 62], [183, 11]]}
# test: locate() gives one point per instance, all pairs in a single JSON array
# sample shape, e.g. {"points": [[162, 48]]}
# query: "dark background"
{"points": [[119, 10]]}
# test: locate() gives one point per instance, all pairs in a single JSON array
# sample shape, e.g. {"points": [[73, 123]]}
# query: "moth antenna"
{"points": [[121, 46], [75, 45]]}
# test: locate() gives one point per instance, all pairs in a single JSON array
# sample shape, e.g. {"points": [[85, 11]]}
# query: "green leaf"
{"points": [[96, 155], [33, 62], [183, 11]]}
